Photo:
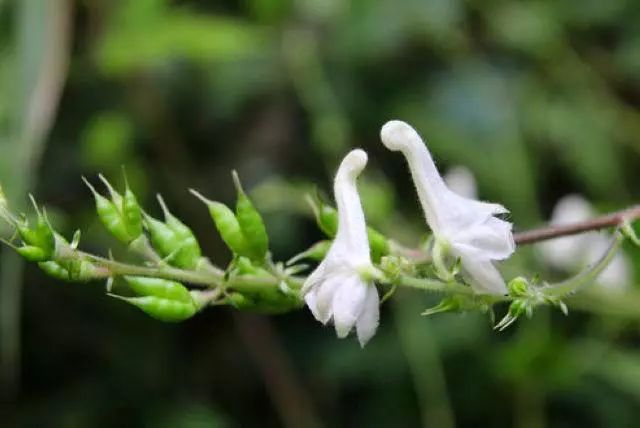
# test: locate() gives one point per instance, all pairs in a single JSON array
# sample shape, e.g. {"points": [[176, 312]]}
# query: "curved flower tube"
{"points": [[341, 287], [464, 227]]}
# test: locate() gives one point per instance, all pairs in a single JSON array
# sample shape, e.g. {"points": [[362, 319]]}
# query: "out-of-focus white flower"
{"points": [[467, 228], [461, 180], [341, 287], [570, 253]]}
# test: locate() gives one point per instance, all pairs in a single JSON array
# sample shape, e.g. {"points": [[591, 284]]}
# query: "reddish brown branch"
{"points": [[550, 232]]}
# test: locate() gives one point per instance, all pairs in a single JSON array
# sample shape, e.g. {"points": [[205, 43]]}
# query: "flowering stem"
{"points": [[602, 222], [572, 285], [431, 285]]}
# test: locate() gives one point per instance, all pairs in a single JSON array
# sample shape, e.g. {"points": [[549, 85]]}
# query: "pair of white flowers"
{"points": [[342, 288]]}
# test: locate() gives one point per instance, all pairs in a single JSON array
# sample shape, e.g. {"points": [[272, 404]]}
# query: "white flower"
{"points": [[571, 253], [461, 180], [467, 228], [340, 288]]}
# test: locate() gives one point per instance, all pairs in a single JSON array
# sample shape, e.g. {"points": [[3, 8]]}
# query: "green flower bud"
{"points": [[162, 309], [227, 224], [518, 287], [251, 224], [157, 287]]}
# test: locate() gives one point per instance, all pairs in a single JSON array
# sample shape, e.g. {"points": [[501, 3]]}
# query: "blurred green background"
{"points": [[538, 98]]}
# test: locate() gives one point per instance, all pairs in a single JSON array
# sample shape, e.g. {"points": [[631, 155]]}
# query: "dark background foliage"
{"points": [[538, 98]]}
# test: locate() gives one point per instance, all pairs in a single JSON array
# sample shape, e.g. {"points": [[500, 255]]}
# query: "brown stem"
{"points": [[602, 222]]}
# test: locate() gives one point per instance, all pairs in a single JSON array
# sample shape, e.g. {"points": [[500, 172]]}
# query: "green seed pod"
{"points": [[157, 287], [162, 309], [33, 254], [39, 242], [327, 218], [109, 215], [163, 238], [72, 271], [189, 253], [54, 270], [131, 214], [378, 244], [227, 225], [251, 223], [122, 216]]}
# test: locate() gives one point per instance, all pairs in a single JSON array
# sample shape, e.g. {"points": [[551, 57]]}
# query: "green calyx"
{"points": [[39, 242], [122, 215], [74, 270], [162, 299], [243, 231], [173, 240], [161, 309]]}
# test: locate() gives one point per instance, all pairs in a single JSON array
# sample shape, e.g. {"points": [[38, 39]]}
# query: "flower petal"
{"points": [[347, 305], [324, 297], [491, 240], [483, 275], [367, 322], [311, 299]]}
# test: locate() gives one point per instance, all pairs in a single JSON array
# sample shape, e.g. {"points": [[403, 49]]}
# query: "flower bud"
{"points": [[251, 224], [158, 287], [33, 254], [162, 309], [518, 287]]}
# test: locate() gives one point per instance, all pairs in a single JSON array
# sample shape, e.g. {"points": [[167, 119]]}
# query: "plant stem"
{"points": [[571, 285], [602, 222]]}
